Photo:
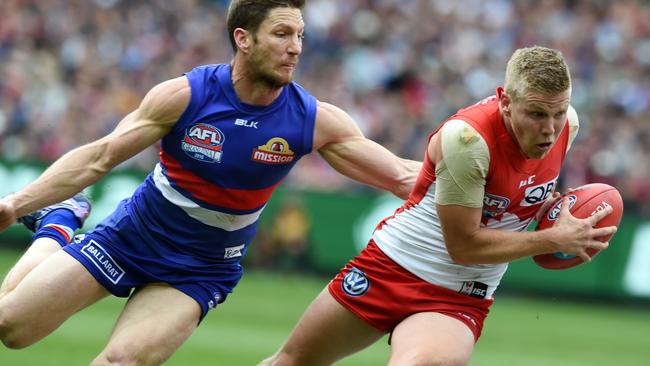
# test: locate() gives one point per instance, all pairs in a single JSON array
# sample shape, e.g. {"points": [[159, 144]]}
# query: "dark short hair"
{"points": [[249, 14]]}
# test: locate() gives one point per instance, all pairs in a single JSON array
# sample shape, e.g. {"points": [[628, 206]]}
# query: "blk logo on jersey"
{"points": [[275, 151], [203, 142], [246, 123], [355, 283]]}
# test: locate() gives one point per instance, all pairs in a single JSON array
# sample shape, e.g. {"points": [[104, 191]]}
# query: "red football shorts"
{"points": [[383, 293]]}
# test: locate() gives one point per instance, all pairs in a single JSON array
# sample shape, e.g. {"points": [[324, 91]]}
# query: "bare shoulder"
{"points": [[166, 101], [333, 125]]}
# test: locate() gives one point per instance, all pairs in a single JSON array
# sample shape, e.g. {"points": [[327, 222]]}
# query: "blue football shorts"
{"points": [[122, 260]]}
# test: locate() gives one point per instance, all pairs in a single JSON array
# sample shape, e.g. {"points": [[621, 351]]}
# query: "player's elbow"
{"points": [[401, 190], [460, 257], [101, 167], [407, 176], [461, 253], [102, 160]]}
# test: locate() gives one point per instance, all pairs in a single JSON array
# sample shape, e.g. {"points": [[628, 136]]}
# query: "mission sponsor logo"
{"points": [[203, 142], [275, 151]]}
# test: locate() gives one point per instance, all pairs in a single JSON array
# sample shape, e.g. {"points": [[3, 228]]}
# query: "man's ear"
{"points": [[243, 39], [505, 101]]}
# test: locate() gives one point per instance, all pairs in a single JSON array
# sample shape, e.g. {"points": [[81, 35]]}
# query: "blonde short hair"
{"points": [[536, 69]]}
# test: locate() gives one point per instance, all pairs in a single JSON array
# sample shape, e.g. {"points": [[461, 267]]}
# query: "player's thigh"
{"points": [[326, 332], [431, 339], [156, 320], [49, 294]]}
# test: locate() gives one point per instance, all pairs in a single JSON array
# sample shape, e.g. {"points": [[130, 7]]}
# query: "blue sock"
{"points": [[58, 225]]}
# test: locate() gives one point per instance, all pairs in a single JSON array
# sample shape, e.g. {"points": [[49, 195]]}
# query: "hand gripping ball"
{"points": [[583, 202]]}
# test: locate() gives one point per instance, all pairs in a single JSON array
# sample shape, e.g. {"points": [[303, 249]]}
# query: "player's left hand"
{"points": [[7, 214]]}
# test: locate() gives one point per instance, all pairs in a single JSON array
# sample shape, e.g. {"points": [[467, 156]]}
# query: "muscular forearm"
{"points": [[83, 166], [489, 246], [469, 243], [370, 163], [70, 174], [410, 170]]}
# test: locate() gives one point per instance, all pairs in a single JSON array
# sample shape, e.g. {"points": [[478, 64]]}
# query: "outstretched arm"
{"points": [[342, 144], [83, 166]]}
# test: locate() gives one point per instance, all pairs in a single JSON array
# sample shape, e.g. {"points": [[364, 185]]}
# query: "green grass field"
{"points": [[260, 314]]}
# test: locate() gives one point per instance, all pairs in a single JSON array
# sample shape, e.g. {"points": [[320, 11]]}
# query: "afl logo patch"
{"points": [[275, 151], [355, 283], [553, 212], [494, 205], [203, 142]]}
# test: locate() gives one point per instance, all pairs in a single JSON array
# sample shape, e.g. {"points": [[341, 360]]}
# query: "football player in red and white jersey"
{"points": [[229, 134], [429, 272]]}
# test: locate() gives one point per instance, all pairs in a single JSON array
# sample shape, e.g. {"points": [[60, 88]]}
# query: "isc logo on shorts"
{"points": [[474, 289], [355, 283]]}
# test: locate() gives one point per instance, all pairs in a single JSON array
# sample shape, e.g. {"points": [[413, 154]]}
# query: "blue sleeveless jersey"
{"points": [[218, 168]]}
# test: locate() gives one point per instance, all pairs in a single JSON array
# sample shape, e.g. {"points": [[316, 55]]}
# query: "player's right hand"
{"points": [[7, 214]]}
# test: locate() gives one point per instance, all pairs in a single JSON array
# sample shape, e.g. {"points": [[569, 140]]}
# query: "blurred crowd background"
{"points": [[71, 69]]}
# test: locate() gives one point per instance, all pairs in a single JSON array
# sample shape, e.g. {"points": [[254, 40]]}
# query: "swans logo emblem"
{"points": [[554, 212], [355, 283]]}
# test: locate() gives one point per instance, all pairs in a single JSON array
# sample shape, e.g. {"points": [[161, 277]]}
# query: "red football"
{"points": [[583, 202]]}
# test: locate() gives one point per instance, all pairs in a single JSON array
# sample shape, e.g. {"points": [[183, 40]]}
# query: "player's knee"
{"points": [[426, 359], [266, 362], [281, 359], [271, 361], [14, 342], [11, 334], [113, 358], [117, 356]]}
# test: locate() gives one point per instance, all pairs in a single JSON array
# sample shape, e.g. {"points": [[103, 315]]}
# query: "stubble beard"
{"points": [[263, 76]]}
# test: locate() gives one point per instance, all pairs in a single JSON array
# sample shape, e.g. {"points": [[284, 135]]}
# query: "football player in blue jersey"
{"points": [[174, 247]]}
